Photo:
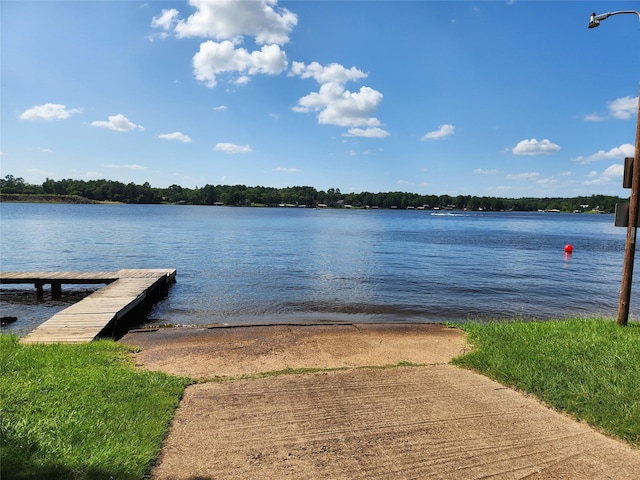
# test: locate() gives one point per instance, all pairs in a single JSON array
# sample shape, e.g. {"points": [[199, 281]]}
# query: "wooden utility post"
{"points": [[630, 248]]}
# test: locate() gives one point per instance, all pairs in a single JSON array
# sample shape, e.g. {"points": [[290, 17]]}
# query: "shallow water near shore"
{"points": [[294, 265]]}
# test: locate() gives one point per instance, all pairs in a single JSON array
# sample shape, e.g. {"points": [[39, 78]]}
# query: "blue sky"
{"points": [[498, 98]]}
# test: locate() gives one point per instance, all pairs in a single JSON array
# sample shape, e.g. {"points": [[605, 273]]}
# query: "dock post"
{"points": [[39, 290], [56, 289]]}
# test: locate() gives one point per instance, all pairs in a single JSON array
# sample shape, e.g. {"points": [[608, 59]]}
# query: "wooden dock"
{"points": [[98, 312]]}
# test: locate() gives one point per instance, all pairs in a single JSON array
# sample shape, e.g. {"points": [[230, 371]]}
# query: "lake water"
{"points": [[285, 265]]}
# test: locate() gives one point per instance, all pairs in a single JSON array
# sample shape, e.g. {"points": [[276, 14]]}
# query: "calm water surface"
{"points": [[262, 265]]}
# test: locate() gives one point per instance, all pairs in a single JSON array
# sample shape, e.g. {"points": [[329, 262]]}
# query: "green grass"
{"points": [[80, 411], [587, 368]]}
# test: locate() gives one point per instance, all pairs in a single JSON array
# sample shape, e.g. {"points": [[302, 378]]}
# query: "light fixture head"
{"points": [[595, 20]]}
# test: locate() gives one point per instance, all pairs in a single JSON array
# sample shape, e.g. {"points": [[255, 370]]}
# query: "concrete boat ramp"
{"points": [[101, 311]]}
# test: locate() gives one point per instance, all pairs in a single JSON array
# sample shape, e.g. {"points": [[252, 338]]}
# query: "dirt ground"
{"points": [[360, 421]]}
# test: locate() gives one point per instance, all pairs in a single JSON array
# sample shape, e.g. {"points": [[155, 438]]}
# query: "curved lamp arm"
{"points": [[595, 20]]}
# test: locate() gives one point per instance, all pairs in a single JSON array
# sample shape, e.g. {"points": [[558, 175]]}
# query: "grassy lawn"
{"points": [[80, 411], [588, 368]]}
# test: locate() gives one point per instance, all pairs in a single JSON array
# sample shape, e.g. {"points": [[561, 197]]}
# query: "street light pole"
{"points": [[634, 202]]}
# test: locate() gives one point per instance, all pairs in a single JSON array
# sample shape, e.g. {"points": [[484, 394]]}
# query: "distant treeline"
{"points": [[241, 195]]}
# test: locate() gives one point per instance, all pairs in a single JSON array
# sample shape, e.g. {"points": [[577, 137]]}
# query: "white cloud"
{"points": [[288, 170], [594, 117], [231, 20], [46, 150], [547, 181], [176, 136], [166, 20], [347, 108], [374, 132], [241, 80], [232, 148], [335, 104], [442, 132], [481, 171], [613, 173], [49, 111], [227, 22], [215, 58], [625, 150], [332, 73], [523, 176], [220, 108], [623, 108], [341, 107], [118, 122], [131, 166], [534, 147]]}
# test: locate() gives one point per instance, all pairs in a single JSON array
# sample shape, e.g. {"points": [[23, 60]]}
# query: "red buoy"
{"points": [[568, 248]]}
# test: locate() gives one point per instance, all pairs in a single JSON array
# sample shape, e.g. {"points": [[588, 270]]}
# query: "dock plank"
{"points": [[99, 305], [85, 320]]}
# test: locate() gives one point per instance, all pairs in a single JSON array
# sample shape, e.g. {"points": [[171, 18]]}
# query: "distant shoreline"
{"points": [[29, 198], [79, 200]]}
